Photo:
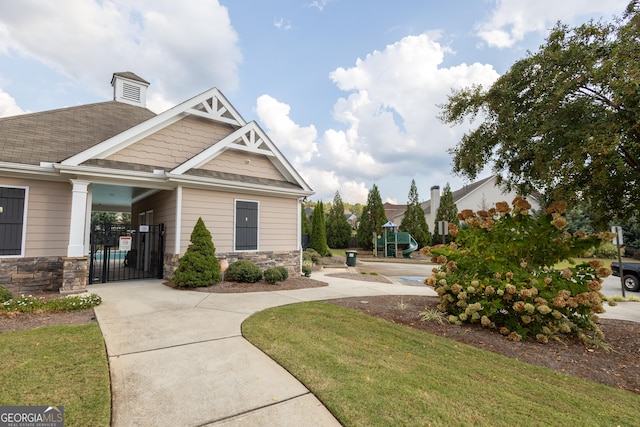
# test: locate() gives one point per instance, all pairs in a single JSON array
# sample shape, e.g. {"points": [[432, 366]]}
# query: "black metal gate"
{"points": [[126, 252]]}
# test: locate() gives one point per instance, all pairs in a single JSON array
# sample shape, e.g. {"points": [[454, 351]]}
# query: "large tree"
{"points": [[414, 221], [318, 231], [565, 120], [372, 219], [338, 228], [447, 211]]}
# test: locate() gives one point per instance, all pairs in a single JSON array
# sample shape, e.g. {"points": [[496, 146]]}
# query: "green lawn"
{"points": [[57, 365], [370, 372]]}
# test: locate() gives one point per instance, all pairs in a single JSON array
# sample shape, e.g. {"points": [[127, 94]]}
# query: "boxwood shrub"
{"points": [[243, 271]]}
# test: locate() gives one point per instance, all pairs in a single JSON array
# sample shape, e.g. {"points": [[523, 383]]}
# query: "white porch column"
{"points": [[78, 218]]}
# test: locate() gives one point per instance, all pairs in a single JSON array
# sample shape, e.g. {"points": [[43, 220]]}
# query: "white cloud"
{"points": [[8, 106], [282, 24], [513, 19], [297, 141], [88, 40], [389, 117]]}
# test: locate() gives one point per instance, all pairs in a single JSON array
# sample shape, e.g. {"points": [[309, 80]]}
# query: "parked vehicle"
{"points": [[630, 275]]}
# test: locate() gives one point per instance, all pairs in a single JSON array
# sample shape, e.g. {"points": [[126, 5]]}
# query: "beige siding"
{"points": [[48, 216], [278, 219], [174, 144], [244, 163], [163, 205]]}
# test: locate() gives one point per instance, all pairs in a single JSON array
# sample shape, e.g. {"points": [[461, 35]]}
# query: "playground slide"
{"points": [[413, 246]]}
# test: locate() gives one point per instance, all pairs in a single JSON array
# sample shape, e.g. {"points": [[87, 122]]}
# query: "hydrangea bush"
{"points": [[499, 273]]}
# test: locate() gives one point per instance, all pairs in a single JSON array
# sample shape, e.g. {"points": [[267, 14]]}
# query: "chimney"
{"points": [[435, 204], [129, 88]]}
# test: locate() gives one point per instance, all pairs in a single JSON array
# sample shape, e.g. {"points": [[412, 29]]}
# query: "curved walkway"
{"points": [[178, 357]]}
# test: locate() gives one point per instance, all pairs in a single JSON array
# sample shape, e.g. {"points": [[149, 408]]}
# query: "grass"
{"points": [[564, 264], [57, 365], [370, 372]]}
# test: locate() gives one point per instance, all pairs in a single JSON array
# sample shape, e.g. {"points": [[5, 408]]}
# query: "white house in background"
{"points": [[479, 195]]}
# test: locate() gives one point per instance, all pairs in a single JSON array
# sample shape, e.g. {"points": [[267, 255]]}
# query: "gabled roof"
{"points": [[55, 135], [460, 193], [80, 140], [210, 105]]}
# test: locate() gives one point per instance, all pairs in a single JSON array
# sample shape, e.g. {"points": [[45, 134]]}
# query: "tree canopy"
{"points": [[338, 228], [372, 219], [414, 221], [447, 211], [564, 121], [318, 231]]}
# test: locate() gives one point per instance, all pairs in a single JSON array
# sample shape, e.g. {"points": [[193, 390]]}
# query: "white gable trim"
{"points": [[210, 104], [249, 138]]}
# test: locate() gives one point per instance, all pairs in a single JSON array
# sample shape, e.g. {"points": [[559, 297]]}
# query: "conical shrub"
{"points": [[198, 267]]}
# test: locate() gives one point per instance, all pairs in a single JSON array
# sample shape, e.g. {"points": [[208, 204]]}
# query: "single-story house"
{"points": [[480, 195], [197, 159]]}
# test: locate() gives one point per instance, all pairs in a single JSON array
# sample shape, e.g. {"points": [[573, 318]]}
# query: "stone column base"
{"points": [[75, 273]]}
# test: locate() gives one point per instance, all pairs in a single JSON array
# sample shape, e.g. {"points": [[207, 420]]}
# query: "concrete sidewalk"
{"points": [[178, 357]]}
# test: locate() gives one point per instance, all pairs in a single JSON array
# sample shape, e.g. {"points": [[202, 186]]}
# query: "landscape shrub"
{"points": [[311, 255], [5, 295], [198, 267], [243, 271], [499, 273], [607, 250], [306, 270], [283, 271], [273, 275]]}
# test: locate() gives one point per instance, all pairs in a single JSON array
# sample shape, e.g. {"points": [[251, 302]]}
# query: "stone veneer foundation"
{"points": [[75, 273], [265, 259], [25, 275]]}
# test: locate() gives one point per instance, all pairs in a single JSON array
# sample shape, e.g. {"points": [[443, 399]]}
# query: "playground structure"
{"points": [[392, 242]]}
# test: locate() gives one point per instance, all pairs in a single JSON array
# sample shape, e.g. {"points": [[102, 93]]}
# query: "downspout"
{"points": [[176, 248]]}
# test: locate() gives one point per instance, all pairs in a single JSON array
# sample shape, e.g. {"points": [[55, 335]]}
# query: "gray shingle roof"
{"points": [[55, 135]]}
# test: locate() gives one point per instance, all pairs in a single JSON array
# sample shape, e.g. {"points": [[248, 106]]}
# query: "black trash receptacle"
{"points": [[351, 258]]}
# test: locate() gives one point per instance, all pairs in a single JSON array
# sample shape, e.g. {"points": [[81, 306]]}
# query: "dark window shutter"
{"points": [[246, 226], [11, 220]]}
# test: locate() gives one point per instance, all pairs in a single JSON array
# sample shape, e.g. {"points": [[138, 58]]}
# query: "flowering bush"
{"points": [[499, 273]]}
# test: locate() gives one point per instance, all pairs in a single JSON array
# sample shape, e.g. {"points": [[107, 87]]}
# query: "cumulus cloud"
{"points": [[388, 117], [298, 141], [513, 19], [8, 106], [88, 40]]}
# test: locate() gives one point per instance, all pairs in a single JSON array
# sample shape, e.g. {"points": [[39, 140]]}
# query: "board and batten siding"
{"points": [[278, 219], [249, 164], [175, 144], [48, 216]]}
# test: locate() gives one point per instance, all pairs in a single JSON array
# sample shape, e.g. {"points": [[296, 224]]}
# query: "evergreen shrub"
{"points": [[243, 271], [283, 271], [499, 273], [198, 267], [273, 275]]}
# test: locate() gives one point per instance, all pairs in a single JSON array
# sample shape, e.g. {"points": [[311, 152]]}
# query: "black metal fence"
{"points": [[126, 252]]}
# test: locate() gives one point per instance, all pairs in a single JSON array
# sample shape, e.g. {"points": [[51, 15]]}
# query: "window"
{"points": [[12, 217], [246, 225]]}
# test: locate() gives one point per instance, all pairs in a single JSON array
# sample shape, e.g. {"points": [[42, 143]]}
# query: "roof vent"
{"points": [[129, 88]]}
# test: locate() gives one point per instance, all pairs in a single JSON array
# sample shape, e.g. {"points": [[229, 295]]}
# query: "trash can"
{"points": [[351, 258]]}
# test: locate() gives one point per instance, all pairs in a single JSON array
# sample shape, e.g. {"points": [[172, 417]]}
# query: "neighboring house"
{"points": [[479, 195], [197, 159], [352, 219]]}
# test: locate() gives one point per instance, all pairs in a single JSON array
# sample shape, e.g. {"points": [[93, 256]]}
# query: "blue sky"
{"points": [[348, 90]]}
